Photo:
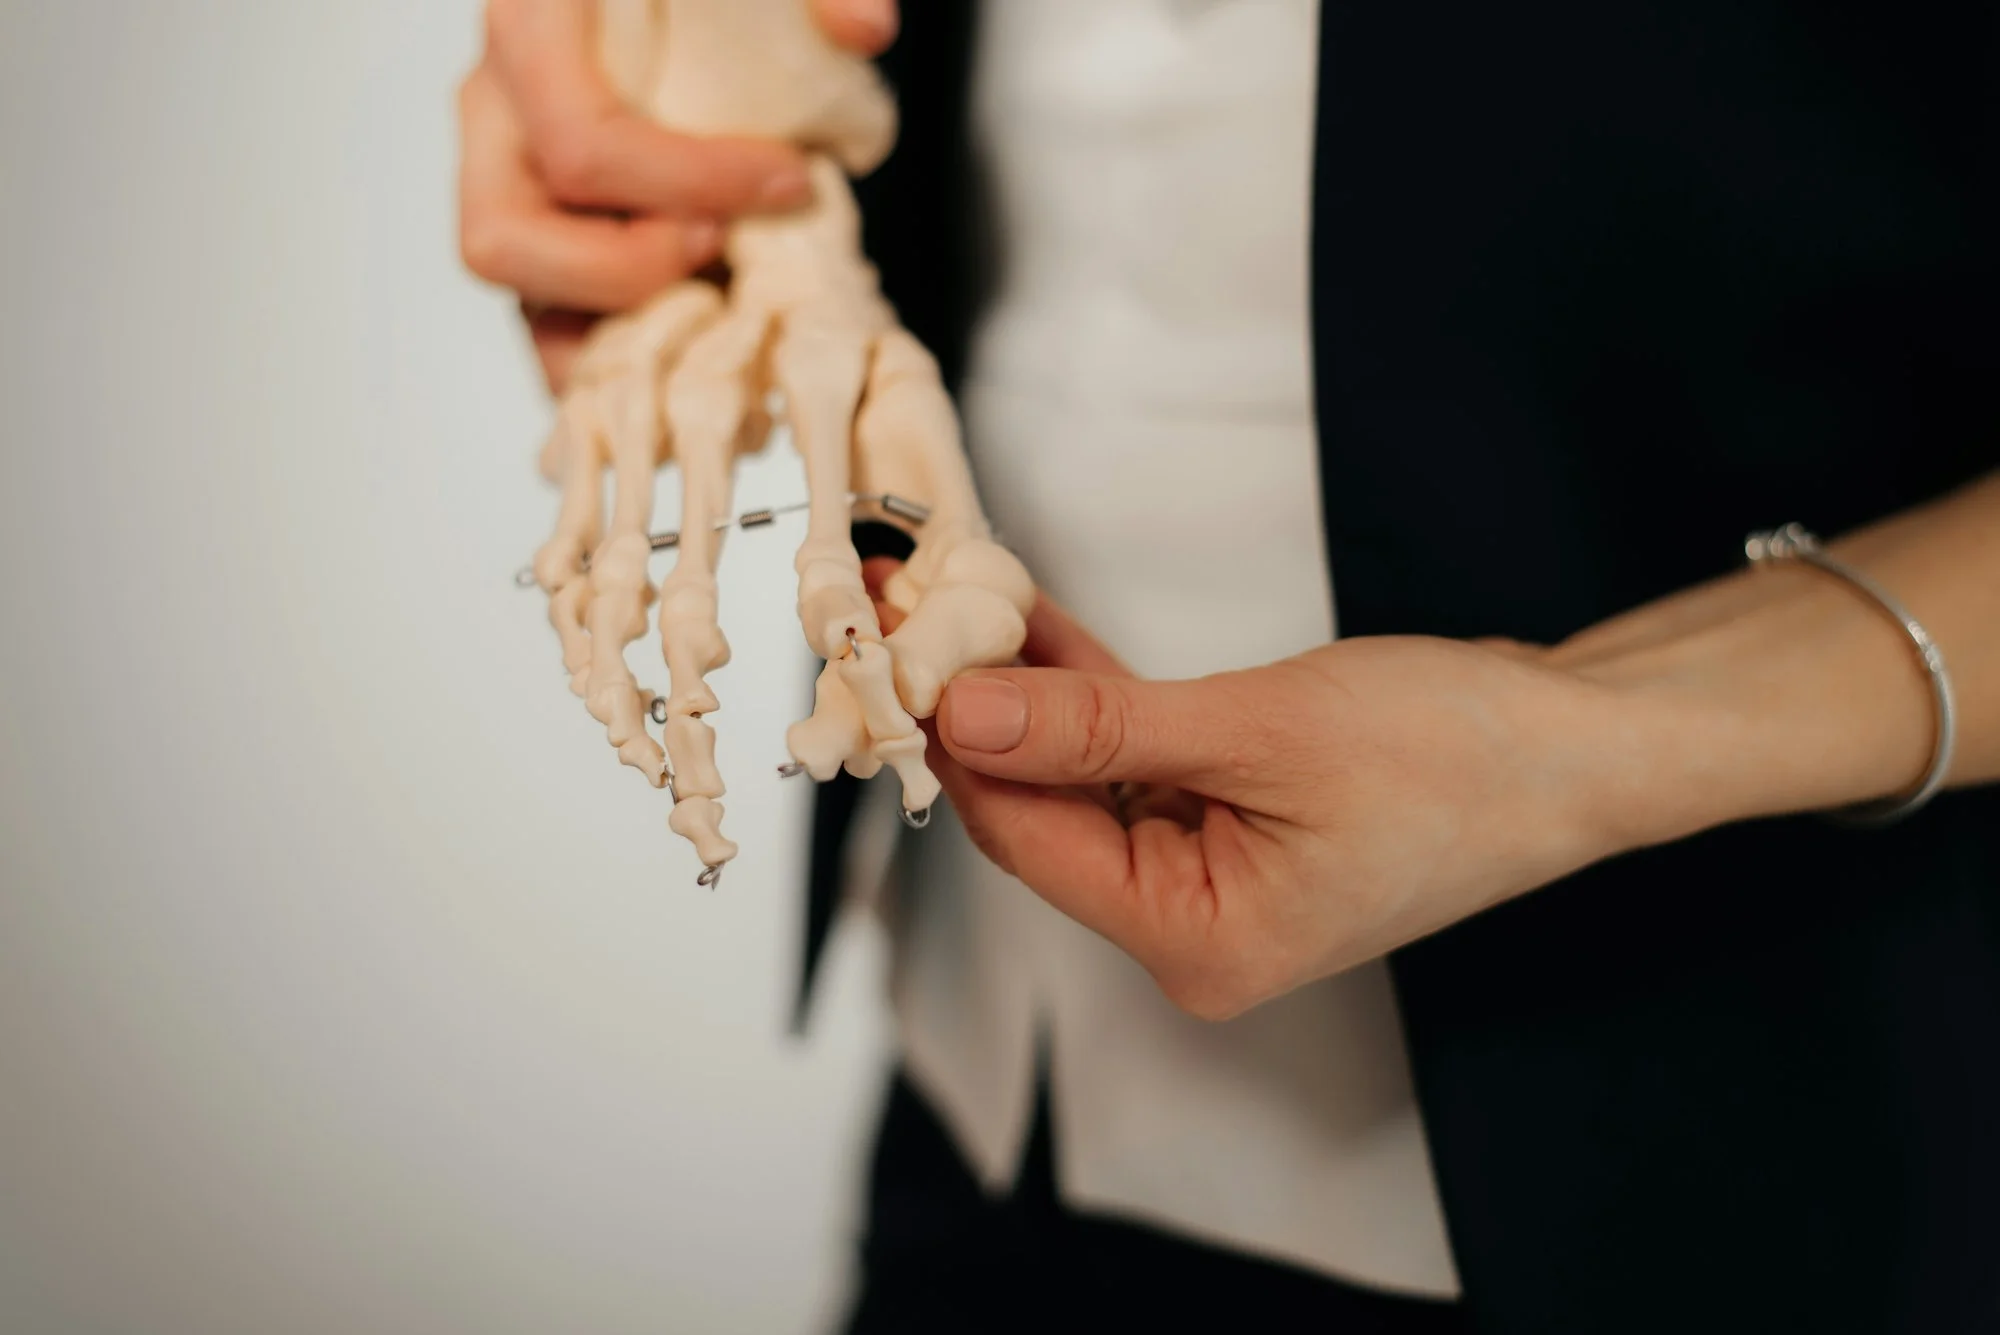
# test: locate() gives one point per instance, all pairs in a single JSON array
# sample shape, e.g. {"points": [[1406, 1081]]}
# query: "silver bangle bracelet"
{"points": [[1793, 542]]}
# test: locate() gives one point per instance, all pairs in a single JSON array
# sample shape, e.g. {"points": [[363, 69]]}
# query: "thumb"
{"points": [[1053, 726]]}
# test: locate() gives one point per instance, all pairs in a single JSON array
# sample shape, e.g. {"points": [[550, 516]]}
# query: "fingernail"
{"points": [[787, 188], [988, 714]]}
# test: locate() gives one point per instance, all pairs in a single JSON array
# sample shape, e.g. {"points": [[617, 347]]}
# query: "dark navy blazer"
{"points": [[1599, 286]]}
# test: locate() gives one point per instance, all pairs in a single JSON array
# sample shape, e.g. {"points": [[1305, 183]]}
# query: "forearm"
{"points": [[1786, 689]]}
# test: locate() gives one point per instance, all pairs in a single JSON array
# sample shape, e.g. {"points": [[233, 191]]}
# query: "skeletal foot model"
{"points": [[696, 375]]}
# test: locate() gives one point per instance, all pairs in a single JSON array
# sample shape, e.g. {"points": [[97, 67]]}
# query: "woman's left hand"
{"points": [[1246, 833]]}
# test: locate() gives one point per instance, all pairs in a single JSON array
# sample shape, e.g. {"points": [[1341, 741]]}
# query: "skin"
{"points": [[1246, 833], [582, 207]]}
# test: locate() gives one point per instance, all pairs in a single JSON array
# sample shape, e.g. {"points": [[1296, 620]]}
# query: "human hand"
{"points": [[1301, 818], [584, 207], [1310, 815]]}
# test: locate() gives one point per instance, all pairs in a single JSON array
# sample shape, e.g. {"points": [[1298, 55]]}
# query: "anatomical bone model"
{"points": [[697, 376]]}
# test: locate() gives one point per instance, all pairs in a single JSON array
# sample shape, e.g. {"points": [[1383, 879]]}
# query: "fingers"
{"points": [[512, 234], [592, 264], [1054, 726], [593, 152], [621, 161], [1156, 890], [1063, 845], [864, 26], [577, 202], [542, 51]]}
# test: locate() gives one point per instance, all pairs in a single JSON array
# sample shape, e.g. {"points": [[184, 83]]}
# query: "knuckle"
{"points": [[484, 248], [476, 99], [570, 162], [1100, 730]]}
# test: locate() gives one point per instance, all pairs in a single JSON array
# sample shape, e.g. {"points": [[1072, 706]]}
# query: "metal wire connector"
{"points": [[912, 512]]}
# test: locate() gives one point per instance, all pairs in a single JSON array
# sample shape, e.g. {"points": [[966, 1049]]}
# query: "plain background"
{"points": [[346, 981]]}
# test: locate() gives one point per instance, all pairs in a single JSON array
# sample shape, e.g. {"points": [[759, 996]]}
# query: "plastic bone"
{"points": [[686, 378]]}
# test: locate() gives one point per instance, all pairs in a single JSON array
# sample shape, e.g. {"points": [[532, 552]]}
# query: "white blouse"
{"points": [[1139, 407]]}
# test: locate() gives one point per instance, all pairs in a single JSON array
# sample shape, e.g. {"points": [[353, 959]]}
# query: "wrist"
{"points": [[1800, 695]]}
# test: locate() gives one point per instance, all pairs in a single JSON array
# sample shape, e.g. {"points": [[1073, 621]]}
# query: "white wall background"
{"points": [[346, 982]]}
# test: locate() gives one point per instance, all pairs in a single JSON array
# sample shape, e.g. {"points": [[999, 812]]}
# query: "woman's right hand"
{"points": [[580, 205]]}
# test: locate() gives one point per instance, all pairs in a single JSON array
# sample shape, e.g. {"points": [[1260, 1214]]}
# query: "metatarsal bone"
{"points": [[623, 589], [615, 383], [574, 442], [967, 597], [821, 361], [708, 401], [577, 445], [907, 442], [566, 613]]}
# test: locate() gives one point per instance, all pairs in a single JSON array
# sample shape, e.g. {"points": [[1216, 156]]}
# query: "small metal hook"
{"points": [[524, 578], [711, 876], [917, 820], [791, 769], [658, 710]]}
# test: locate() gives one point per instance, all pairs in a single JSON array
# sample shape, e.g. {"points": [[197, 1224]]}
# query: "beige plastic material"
{"points": [[691, 378]]}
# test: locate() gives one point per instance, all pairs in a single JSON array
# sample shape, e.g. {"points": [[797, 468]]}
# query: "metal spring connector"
{"points": [[912, 512]]}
